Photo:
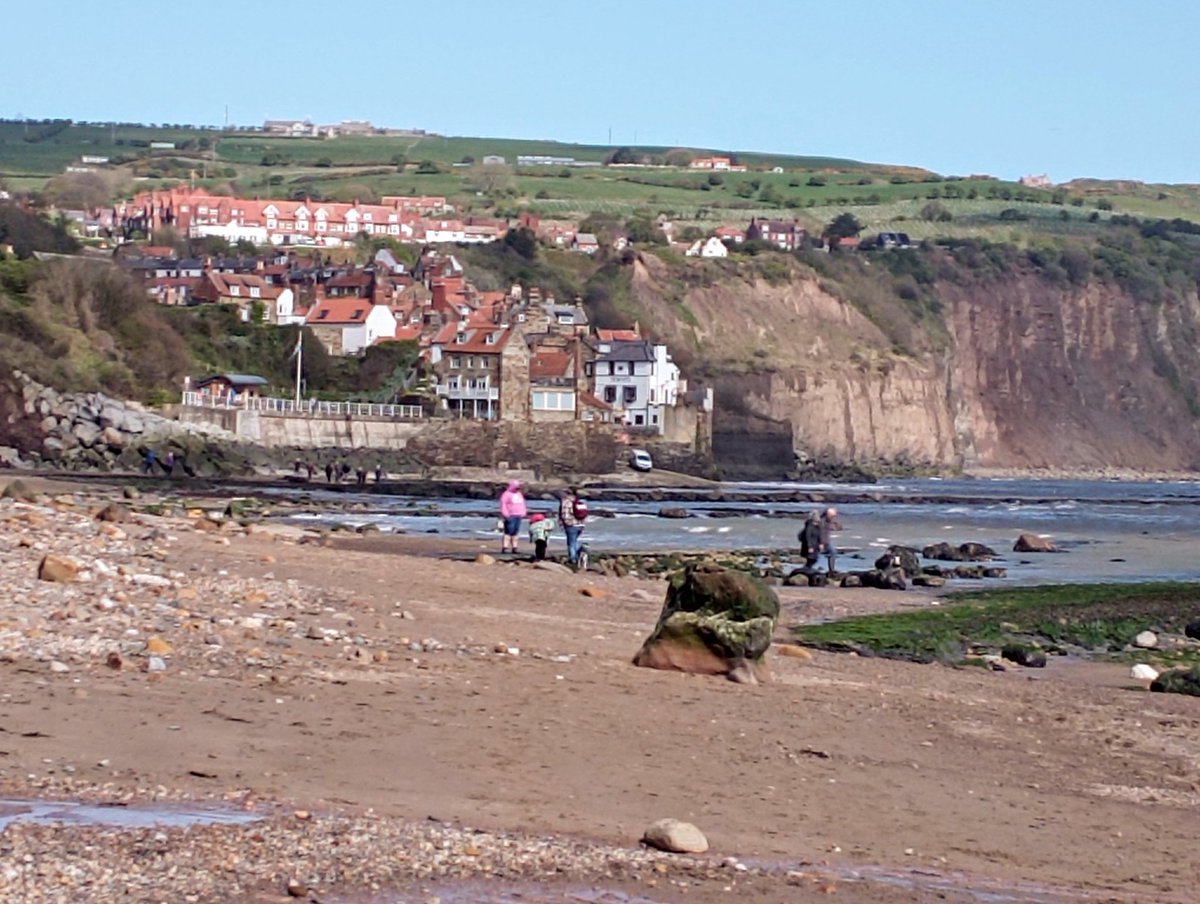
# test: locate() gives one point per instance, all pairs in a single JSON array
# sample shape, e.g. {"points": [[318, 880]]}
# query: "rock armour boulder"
{"points": [[714, 621]]}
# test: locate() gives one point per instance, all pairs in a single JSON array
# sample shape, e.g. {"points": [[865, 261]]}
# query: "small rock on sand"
{"points": [[59, 569], [676, 837]]}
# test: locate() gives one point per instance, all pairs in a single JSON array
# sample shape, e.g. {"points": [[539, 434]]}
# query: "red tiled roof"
{"points": [[338, 311], [547, 364], [591, 401], [617, 335]]}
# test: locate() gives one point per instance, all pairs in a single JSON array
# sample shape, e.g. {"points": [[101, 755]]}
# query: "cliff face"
{"points": [[1033, 374]]}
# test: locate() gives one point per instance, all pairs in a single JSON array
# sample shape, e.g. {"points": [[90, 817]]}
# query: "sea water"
{"points": [[1107, 530]]}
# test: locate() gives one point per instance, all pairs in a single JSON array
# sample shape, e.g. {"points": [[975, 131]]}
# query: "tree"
{"points": [[85, 191], [523, 241], [622, 155], [491, 178], [935, 211], [644, 230], [428, 168], [679, 157], [843, 226]]}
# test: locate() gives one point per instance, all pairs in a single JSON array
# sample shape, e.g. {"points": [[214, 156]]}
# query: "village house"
{"points": [[248, 292], [554, 371], [480, 370], [717, 164], [585, 243], [347, 326], [709, 247], [228, 387], [731, 234], [786, 235], [637, 378]]}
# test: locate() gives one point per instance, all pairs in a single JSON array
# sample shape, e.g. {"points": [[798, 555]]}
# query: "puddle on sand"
{"points": [[500, 892], [120, 817]]}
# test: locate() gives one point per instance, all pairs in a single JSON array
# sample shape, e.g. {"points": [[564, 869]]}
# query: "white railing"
{"points": [[480, 393], [305, 407]]}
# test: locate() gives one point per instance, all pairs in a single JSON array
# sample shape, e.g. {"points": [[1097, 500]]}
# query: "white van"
{"points": [[640, 460]]}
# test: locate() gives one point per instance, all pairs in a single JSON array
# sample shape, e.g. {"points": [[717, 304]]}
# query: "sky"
{"points": [[1073, 89]]}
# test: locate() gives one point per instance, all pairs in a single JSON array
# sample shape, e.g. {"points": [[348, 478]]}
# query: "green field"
{"points": [[812, 189]]}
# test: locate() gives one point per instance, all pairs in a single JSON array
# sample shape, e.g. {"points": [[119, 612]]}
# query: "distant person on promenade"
{"points": [[308, 467], [810, 540], [572, 513], [379, 473], [540, 528], [150, 462], [829, 524], [168, 464], [329, 472], [512, 511], [360, 476]]}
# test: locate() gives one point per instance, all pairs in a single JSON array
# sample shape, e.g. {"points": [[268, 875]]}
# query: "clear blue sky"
{"points": [[1007, 87]]}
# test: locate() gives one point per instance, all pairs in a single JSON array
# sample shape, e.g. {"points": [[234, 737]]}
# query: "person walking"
{"points": [[810, 540], [572, 513], [512, 512], [828, 525], [150, 462]]}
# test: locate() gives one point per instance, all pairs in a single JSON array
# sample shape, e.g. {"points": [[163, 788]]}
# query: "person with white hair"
{"points": [[829, 524]]}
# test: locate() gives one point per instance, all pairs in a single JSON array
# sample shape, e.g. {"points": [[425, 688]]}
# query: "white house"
{"points": [[346, 326], [637, 378], [709, 247]]}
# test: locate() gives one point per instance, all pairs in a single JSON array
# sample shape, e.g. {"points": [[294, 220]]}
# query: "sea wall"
{"points": [[305, 431]]}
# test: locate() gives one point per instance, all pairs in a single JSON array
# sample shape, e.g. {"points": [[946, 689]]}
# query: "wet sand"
{"points": [[368, 680]]}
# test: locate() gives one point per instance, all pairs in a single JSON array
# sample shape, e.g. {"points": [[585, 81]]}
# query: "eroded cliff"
{"points": [[1020, 371]]}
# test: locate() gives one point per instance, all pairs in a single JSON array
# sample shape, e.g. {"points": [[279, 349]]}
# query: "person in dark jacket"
{"points": [[810, 540]]}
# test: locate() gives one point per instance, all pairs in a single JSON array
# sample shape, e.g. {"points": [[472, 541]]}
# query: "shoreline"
{"points": [[405, 719]]}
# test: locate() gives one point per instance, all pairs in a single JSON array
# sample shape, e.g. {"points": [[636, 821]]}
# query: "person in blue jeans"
{"points": [[572, 512], [829, 524]]}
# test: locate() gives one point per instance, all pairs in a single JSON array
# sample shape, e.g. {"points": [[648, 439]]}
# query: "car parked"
{"points": [[640, 460]]}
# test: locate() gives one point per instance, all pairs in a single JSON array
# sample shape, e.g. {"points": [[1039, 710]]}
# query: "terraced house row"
{"points": [[274, 221]]}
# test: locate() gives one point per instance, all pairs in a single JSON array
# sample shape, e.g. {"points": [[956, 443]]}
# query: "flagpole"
{"points": [[299, 358]]}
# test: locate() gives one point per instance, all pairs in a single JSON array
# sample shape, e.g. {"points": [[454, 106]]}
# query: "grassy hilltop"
{"points": [[33, 157]]}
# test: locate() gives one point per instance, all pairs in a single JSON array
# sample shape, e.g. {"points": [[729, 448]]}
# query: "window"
{"points": [[235, 291], [638, 420], [629, 396], [254, 292], [553, 401], [455, 362], [610, 394]]}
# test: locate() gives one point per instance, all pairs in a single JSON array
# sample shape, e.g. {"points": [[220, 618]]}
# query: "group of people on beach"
{"points": [[152, 464], [337, 472], [572, 513], [816, 536], [816, 539]]}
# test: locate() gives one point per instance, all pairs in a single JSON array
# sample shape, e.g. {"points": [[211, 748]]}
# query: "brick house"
{"points": [[786, 235]]}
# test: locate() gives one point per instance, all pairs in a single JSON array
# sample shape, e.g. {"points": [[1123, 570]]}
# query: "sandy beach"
{"points": [[413, 727]]}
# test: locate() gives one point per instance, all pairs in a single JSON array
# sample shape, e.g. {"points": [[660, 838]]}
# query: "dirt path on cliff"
{"points": [[501, 697]]}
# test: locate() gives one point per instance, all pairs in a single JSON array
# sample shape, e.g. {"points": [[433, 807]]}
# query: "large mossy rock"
{"points": [[1178, 681], [714, 622]]}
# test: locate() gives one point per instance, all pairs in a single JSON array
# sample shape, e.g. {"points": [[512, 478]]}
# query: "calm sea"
{"points": [[1108, 530]]}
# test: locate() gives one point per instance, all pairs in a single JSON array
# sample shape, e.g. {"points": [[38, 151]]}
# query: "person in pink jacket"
{"points": [[512, 512]]}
